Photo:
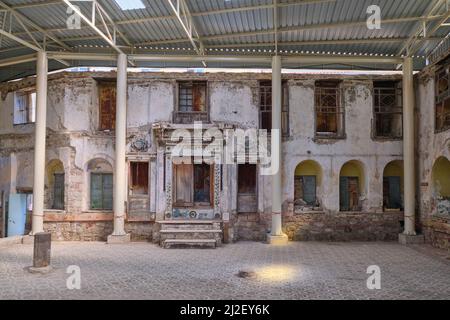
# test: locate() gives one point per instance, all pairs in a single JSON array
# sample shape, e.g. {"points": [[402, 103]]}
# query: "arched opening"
{"points": [[393, 186], [307, 179], [55, 185], [351, 186], [100, 184], [441, 185]]}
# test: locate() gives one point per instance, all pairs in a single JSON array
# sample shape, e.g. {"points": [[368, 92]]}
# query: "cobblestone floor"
{"points": [[300, 270]]}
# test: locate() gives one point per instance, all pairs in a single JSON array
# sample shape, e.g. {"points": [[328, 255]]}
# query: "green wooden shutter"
{"points": [[394, 193], [343, 194], [58, 191], [96, 191], [107, 191], [309, 189]]}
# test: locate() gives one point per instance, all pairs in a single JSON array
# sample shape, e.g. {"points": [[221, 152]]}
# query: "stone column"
{"points": [[37, 221], [409, 234], [119, 235], [276, 236]]}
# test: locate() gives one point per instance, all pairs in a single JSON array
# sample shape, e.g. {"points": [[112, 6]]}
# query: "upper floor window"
{"points": [[329, 109], [24, 107], [442, 85], [265, 107], [387, 109], [192, 102], [107, 103]]}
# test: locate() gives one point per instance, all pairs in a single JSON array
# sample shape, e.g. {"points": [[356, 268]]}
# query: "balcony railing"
{"points": [[188, 117]]}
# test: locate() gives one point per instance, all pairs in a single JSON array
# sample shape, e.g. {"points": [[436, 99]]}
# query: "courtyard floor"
{"points": [[299, 270]]}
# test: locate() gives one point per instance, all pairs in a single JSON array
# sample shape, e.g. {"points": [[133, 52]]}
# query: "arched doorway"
{"points": [[393, 186], [351, 186], [307, 179]]}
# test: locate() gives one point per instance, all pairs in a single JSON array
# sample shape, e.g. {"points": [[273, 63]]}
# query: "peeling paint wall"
{"points": [[431, 146], [73, 137]]}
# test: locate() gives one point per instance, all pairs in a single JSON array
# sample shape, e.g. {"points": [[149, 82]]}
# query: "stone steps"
{"points": [[189, 243], [189, 233]]}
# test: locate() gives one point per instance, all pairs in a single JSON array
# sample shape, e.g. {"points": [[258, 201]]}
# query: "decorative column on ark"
{"points": [[168, 173]]}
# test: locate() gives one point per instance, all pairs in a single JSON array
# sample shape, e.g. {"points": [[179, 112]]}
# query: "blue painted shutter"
{"points": [[309, 189], [394, 193], [343, 194]]}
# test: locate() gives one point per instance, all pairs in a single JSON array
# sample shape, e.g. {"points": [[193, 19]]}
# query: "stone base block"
{"points": [[113, 239], [28, 240], [411, 239], [42, 270], [277, 240]]}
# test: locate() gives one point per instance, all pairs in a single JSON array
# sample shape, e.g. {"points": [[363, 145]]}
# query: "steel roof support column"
{"points": [[37, 218], [120, 183], [276, 235], [409, 234]]}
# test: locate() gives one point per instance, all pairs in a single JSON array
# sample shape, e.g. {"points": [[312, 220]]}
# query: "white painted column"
{"points": [[120, 186], [408, 147], [37, 218], [277, 236]]}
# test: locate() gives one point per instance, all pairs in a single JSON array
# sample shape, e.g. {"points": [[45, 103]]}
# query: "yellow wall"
{"points": [[394, 169], [309, 168], [441, 177]]}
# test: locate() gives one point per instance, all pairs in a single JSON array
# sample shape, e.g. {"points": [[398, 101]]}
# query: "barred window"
{"points": [[329, 109], [442, 85], [387, 109], [265, 106]]}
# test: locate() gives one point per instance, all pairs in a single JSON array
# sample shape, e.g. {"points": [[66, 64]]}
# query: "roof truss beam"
{"points": [[111, 31], [181, 10]]}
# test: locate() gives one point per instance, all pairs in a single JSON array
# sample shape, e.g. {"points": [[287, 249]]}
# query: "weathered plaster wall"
{"points": [[431, 146], [73, 137], [332, 154]]}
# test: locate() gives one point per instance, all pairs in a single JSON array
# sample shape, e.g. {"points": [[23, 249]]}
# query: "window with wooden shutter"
{"points": [[193, 185], [265, 107], [305, 189], [349, 193], [24, 107], [107, 103], [58, 191], [101, 191], [329, 110], [192, 102], [388, 110], [139, 177]]}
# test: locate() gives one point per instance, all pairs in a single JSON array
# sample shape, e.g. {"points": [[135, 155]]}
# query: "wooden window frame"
{"points": [[110, 124], [265, 87], [320, 90], [30, 108], [380, 91], [186, 116]]}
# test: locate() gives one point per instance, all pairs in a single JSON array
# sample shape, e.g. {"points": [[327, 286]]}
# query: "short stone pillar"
{"points": [[42, 250]]}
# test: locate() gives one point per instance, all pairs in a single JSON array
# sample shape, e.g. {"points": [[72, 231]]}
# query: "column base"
{"points": [[277, 240], [411, 239], [42, 270], [113, 239]]}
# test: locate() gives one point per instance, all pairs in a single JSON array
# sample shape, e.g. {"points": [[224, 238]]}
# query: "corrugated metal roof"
{"points": [[244, 26]]}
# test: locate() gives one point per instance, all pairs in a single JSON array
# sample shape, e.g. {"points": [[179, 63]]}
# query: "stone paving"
{"points": [[299, 270]]}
